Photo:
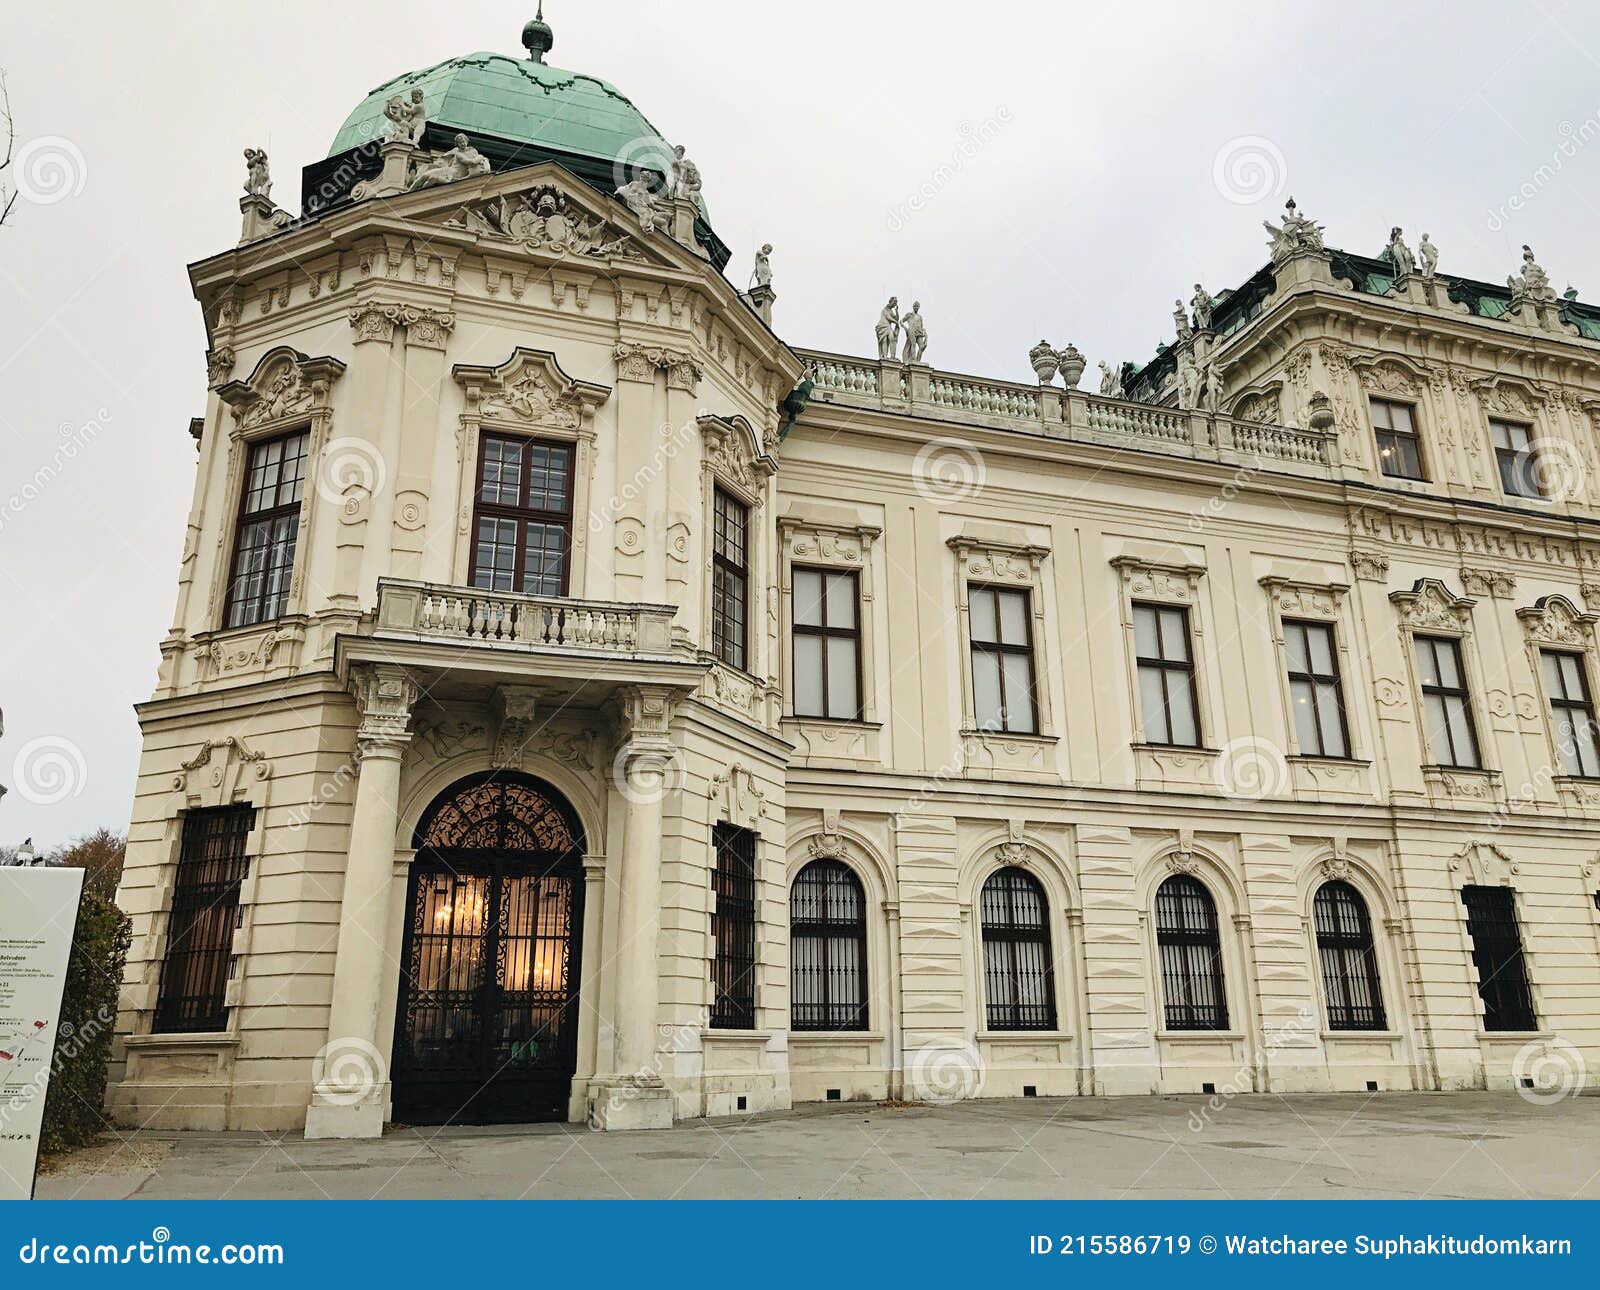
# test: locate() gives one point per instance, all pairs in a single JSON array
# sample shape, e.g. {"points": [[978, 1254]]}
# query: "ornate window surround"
{"points": [[1396, 379], [1429, 608], [733, 460], [1178, 585], [1321, 603], [528, 396], [1017, 566], [286, 392], [835, 546], [1336, 864], [877, 888], [1184, 857], [1554, 622]]}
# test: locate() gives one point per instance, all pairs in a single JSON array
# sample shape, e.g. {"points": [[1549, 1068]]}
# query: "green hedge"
{"points": [[74, 1106]]}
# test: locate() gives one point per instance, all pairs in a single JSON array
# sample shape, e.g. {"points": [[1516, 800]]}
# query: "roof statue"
{"points": [[1399, 254], [916, 334], [1296, 234], [761, 274], [406, 118], [638, 197], [685, 180], [463, 161], [1203, 304], [1429, 255], [1110, 381], [258, 177], [888, 329]]}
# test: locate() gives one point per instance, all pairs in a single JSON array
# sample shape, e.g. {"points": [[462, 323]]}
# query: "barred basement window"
{"points": [[1191, 956], [733, 929], [523, 516], [828, 949], [205, 911], [1497, 955], [730, 579], [1349, 959], [1018, 974], [269, 525]]}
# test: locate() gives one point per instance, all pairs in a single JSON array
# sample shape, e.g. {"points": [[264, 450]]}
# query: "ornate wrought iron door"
{"points": [[486, 1030]]}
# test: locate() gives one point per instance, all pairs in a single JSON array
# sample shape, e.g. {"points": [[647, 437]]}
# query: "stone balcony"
{"points": [[576, 647], [1072, 415]]}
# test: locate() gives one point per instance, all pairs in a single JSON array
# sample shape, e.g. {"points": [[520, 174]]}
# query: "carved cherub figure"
{"points": [[258, 177]]}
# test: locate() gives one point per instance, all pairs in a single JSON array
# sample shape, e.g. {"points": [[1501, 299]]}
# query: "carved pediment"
{"points": [[1147, 579], [546, 218], [284, 386], [531, 389], [1431, 604], [221, 771], [1390, 374], [1555, 620], [1508, 396], [734, 453], [1263, 405], [1484, 864]]}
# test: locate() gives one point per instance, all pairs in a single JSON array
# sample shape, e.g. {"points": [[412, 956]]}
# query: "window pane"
{"points": [[1555, 677], [1305, 717], [1175, 635], [1180, 704], [1013, 618], [808, 597], [808, 676], [1145, 643], [1460, 731], [1587, 746], [1572, 675], [1400, 417], [1294, 647], [1152, 707], [1427, 665], [981, 611], [1332, 726], [841, 600], [1321, 641], [1437, 725], [843, 704], [1019, 694], [1380, 415], [986, 690]]}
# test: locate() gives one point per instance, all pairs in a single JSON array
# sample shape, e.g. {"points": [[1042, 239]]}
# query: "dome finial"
{"points": [[537, 36]]}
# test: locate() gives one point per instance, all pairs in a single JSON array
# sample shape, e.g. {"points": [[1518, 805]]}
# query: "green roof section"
{"points": [[521, 101]]}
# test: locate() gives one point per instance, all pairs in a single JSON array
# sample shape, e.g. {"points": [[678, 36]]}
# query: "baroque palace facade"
{"points": [[580, 704]]}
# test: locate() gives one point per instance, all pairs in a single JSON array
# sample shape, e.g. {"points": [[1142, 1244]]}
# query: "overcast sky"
{"points": [[1023, 169]]}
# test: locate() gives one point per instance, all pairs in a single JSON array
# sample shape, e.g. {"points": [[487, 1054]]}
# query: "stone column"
{"points": [[351, 1093], [633, 1095], [594, 895]]}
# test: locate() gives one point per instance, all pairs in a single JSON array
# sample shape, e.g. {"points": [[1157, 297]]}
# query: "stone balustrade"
{"points": [[1067, 414], [469, 615]]}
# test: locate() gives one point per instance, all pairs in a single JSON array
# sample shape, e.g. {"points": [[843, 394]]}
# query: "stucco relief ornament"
{"points": [[463, 161], [258, 175], [888, 329], [1295, 235], [1428, 253], [1182, 862], [1110, 380], [916, 334], [1203, 304], [1399, 254]]}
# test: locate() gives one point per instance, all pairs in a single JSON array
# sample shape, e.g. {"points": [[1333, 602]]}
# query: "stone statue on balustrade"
{"points": [[1295, 235], [1110, 380], [1212, 393], [1399, 254], [1533, 283], [761, 274], [888, 329], [1188, 383], [1428, 253], [685, 178], [1203, 303], [916, 335], [258, 176], [463, 161], [1180, 319]]}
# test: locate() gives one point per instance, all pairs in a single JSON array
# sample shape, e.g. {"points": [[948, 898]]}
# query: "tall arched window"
{"points": [[1019, 977], [827, 949], [1349, 961], [1191, 956]]}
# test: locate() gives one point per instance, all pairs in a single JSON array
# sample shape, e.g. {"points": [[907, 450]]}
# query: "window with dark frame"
{"points": [[827, 644], [1399, 446], [1314, 689], [1513, 453], [269, 525], [1191, 956], [192, 996], [1497, 956], [1000, 627], [827, 949], [1446, 703], [1018, 970], [522, 516], [1168, 704], [1349, 959], [730, 579], [733, 928], [1571, 712]]}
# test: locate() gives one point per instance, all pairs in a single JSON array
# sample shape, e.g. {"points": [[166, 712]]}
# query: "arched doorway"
{"points": [[487, 1019]]}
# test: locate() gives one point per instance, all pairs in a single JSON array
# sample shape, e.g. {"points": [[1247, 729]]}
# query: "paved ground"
{"points": [[1349, 1145]]}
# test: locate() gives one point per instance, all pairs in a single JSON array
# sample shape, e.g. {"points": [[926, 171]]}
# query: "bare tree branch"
{"points": [[8, 138]]}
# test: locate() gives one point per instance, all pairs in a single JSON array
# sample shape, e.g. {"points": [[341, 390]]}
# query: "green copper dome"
{"points": [[522, 102]]}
